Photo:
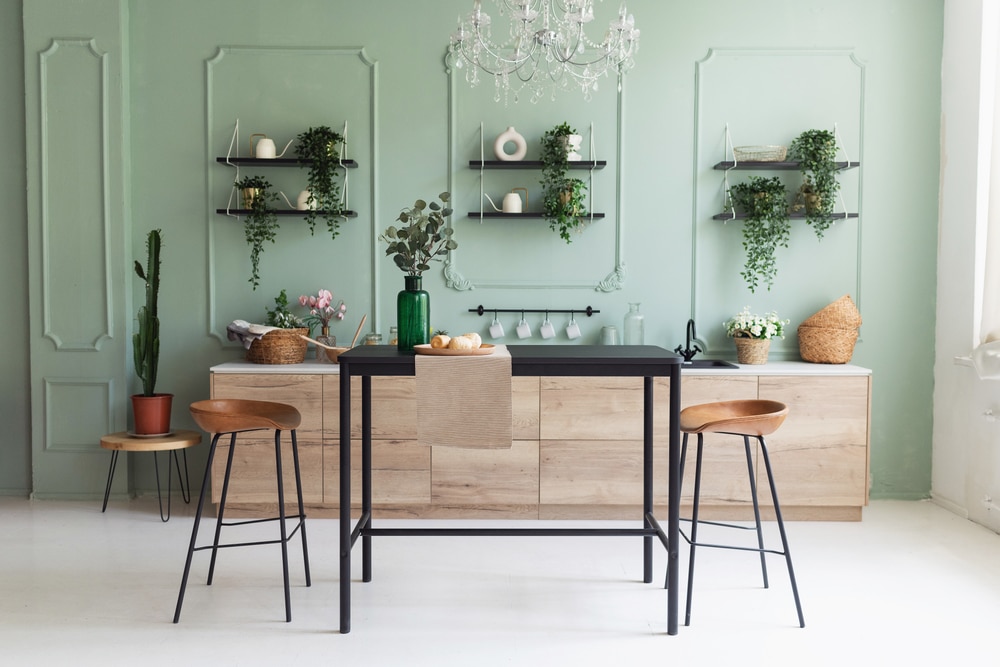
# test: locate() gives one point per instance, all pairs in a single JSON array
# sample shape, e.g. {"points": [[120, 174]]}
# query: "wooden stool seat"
{"points": [[230, 417], [749, 417], [223, 415]]}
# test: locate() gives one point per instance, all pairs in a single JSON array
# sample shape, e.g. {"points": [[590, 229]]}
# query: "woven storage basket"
{"points": [[841, 314], [280, 346], [752, 350], [826, 345], [759, 153]]}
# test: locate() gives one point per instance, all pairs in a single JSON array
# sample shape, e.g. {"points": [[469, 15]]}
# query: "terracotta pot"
{"points": [[151, 414]]}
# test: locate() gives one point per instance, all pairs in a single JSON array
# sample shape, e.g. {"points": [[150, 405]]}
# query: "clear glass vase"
{"points": [[413, 314], [633, 326]]}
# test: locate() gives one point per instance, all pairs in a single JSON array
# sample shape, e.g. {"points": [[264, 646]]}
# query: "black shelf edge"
{"points": [[278, 161], [791, 216], [520, 216], [776, 166], [533, 164], [281, 212]]}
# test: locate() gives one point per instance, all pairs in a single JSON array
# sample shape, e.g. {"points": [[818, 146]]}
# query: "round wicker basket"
{"points": [[826, 345], [280, 346], [752, 350], [841, 314]]}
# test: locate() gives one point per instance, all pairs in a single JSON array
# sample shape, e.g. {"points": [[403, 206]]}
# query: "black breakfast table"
{"points": [[645, 361]]}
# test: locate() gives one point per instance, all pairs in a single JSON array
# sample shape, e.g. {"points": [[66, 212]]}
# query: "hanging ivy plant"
{"points": [[261, 223], [320, 145], [816, 151], [563, 198], [766, 227]]}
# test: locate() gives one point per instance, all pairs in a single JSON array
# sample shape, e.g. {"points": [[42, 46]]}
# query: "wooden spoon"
{"points": [[322, 345], [358, 332]]}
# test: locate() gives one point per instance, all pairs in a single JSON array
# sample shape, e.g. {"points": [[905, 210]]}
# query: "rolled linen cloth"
{"points": [[246, 332]]}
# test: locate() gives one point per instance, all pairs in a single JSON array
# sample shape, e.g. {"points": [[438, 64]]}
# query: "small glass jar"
{"points": [[633, 326], [393, 336], [374, 338]]}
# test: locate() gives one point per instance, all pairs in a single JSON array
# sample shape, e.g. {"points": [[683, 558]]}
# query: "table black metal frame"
{"points": [[646, 361]]}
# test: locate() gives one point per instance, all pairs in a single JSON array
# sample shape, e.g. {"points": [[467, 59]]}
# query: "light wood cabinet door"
{"points": [[253, 477], [820, 453]]}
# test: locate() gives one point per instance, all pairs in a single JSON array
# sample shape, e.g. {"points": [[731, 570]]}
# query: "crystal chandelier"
{"points": [[545, 48]]}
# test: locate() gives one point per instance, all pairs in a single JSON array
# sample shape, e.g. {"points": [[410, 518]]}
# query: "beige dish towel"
{"points": [[465, 401]]}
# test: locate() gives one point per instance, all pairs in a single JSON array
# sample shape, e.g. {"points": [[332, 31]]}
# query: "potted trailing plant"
{"points": [[283, 344], [816, 152], [319, 145], [563, 198], [752, 335], [261, 222], [764, 202], [425, 237], [150, 411]]}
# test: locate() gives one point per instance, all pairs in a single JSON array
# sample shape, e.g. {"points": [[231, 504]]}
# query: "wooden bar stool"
{"points": [[233, 416], [749, 419]]}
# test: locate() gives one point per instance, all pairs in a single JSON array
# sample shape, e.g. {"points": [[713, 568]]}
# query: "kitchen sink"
{"points": [[708, 363]]}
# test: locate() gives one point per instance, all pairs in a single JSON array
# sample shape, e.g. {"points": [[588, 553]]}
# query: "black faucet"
{"points": [[688, 352]]}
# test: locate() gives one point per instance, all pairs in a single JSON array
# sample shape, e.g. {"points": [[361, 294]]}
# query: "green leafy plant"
{"points": [[261, 222], [563, 198], [766, 227], [424, 238], [319, 145], [281, 317], [816, 152], [146, 341]]}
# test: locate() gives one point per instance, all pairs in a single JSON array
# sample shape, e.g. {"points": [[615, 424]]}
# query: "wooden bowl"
{"points": [[332, 353]]}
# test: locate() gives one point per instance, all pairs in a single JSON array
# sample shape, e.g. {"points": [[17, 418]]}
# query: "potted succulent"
{"points": [[766, 226], [563, 198], [150, 411], [425, 237], [752, 335], [319, 146], [284, 344], [816, 152], [261, 222]]}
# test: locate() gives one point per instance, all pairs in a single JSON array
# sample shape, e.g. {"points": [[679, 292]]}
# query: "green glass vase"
{"points": [[413, 314]]}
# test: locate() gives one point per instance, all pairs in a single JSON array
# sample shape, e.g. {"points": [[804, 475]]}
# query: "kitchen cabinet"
{"points": [[577, 448]]}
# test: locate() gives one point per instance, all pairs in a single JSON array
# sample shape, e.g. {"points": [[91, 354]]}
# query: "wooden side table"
{"points": [[178, 440]]}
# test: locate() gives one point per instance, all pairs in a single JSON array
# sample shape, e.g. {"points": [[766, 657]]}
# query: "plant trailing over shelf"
{"points": [[816, 152], [563, 199], [261, 222], [146, 341], [320, 146], [764, 201]]}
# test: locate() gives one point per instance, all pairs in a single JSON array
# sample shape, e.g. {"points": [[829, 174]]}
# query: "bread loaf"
{"points": [[440, 341], [461, 343]]}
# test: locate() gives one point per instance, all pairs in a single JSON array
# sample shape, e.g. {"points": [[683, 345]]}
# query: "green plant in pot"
{"points": [[150, 411], [563, 198], [764, 201], [424, 237], [261, 223], [319, 145], [816, 152]]}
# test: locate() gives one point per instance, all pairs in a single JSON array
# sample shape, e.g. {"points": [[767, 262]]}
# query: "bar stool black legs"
{"points": [[285, 535]]}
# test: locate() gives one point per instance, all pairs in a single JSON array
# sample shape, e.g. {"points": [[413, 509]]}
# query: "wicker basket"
{"points": [[752, 350], [841, 314], [280, 346], [759, 153], [826, 345]]}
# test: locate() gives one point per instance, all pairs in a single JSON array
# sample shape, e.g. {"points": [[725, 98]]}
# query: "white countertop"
{"points": [[313, 367]]}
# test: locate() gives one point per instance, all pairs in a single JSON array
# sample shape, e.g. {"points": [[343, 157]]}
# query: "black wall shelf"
{"points": [[276, 162], [282, 212], [791, 216], [533, 164], [776, 166], [521, 216]]}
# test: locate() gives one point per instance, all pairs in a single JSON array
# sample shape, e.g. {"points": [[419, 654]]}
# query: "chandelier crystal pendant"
{"points": [[545, 49]]}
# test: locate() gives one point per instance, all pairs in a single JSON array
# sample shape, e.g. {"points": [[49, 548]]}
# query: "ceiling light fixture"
{"points": [[546, 48]]}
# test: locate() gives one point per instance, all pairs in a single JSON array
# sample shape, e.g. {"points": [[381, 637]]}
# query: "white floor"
{"points": [[912, 584]]}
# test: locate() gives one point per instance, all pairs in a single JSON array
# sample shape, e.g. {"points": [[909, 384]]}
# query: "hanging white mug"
{"points": [[496, 329], [523, 328], [547, 330], [573, 329]]}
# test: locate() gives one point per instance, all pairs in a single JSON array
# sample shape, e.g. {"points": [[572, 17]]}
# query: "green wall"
{"points": [[769, 69]]}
